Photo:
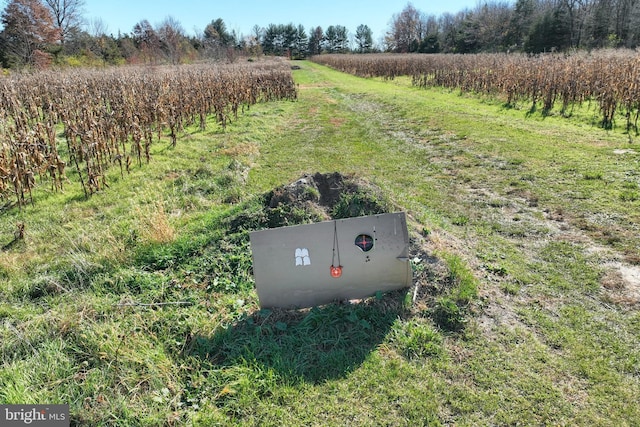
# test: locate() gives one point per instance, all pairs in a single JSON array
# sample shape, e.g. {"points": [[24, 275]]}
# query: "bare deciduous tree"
{"points": [[147, 41], [173, 40], [407, 30], [67, 15], [98, 28]]}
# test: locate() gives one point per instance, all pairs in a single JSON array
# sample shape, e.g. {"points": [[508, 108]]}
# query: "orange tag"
{"points": [[336, 271]]}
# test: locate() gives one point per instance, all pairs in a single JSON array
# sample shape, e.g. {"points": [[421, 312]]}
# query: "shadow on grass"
{"points": [[312, 345]]}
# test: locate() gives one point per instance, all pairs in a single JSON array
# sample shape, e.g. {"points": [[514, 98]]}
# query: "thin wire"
{"points": [[336, 247]]}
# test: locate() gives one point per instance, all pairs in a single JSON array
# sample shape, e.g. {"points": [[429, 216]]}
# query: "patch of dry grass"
{"points": [[155, 226]]}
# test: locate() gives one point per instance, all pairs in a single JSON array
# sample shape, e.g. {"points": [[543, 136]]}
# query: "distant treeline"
{"points": [[44, 32], [531, 26]]}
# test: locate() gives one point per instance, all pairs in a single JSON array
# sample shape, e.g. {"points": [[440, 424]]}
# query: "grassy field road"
{"points": [[137, 306]]}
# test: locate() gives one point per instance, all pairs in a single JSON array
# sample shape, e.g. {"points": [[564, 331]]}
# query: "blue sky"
{"points": [[241, 16]]}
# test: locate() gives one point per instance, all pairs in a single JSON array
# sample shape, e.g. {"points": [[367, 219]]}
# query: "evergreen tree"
{"points": [[315, 41], [301, 44], [216, 33], [550, 33], [364, 39]]}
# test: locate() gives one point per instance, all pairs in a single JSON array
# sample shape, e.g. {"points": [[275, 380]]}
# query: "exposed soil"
{"points": [[321, 197], [319, 191], [621, 283], [521, 220]]}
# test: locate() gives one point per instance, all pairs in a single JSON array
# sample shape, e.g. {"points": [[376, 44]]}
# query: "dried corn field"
{"points": [[90, 120], [608, 79]]}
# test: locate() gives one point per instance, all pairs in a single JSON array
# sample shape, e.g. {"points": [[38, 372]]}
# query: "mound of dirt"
{"points": [[322, 197], [311, 198]]}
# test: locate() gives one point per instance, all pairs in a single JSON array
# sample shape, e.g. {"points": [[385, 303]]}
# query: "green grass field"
{"points": [[137, 306]]}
